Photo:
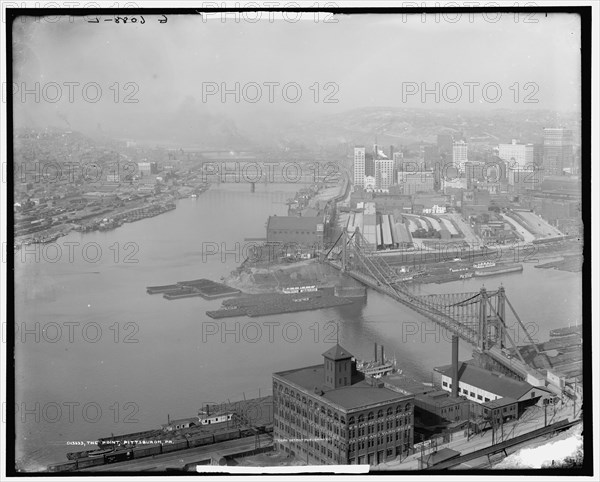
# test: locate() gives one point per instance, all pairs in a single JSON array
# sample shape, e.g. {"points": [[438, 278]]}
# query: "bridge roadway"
{"points": [[465, 332]]}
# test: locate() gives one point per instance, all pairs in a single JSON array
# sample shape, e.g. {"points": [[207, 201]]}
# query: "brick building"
{"points": [[331, 414]]}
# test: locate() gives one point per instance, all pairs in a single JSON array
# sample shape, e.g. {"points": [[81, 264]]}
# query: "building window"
{"points": [[465, 391], [445, 384], [487, 399], [472, 394], [479, 397]]}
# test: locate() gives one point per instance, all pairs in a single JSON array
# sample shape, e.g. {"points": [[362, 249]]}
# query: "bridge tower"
{"points": [[501, 311], [344, 249], [482, 330]]}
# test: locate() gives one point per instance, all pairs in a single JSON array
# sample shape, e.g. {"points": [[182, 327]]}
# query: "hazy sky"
{"points": [[368, 59]]}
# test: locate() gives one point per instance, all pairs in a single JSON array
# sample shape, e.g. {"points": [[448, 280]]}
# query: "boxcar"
{"points": [[63, 467], [90, 462], [146, 451], [200, 440], [119, 456], [176, 445], [229, 435]]}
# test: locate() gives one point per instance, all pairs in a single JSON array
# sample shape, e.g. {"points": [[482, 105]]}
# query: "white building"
{"points": [[369, 182], [459, 154], [384, 173], [480, 385], [519, 157], [359, 166]]}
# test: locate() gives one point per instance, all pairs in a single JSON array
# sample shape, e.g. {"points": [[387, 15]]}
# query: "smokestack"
{"points": [[454, 366], [382, 357], [375, 351]]}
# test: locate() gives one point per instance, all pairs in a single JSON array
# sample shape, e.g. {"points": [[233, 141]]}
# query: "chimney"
{"points": [[207, 410], [454, 366], [382, 358], [375, 351]]}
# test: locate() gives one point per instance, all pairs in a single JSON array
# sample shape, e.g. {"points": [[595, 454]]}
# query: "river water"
{"points": [[96, 355]]}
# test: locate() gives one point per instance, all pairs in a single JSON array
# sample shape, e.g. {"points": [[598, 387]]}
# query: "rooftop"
{"points": [[294, 222], [487, 380], [500, 402], [337, 353], [359, 394]]}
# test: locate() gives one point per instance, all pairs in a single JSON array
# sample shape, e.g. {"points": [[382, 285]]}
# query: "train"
{"points": [[147, 450]]}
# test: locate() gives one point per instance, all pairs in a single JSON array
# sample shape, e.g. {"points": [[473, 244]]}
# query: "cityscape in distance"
{"points": [[368, 258]]}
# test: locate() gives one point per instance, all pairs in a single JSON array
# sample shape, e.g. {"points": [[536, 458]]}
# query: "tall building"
{"points": [[147, 168], [474, 172], [359, 166], [331, 414], [384, 173], [514, 154], [558, 150], [520, 163], [431, 156], [444, 143], [459, 154]]}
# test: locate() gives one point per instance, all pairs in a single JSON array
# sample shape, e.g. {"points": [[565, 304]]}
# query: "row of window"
{"points": [[293, 232], [370, 442], [466, 392]]}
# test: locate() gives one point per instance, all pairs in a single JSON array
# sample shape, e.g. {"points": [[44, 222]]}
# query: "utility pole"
{"points": [[545, 412]]}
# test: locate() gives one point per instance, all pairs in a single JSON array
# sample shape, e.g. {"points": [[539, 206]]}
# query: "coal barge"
{"points": [[205, 288]]}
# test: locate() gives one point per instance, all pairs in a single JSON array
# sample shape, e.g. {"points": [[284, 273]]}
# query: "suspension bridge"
{"points": [[485, 319]]}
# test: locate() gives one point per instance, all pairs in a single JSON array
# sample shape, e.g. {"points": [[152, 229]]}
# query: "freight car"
{"points": [[63, 467], [176, 445], [120, 455], [229, 435], [200, 440], [146, 451], [90, 462]]}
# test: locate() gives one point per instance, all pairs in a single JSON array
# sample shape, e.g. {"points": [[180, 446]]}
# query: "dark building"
{"points": [[331, 414], [369, 164], [445, 143], [431, 156], [558, 150], [300, 230]]}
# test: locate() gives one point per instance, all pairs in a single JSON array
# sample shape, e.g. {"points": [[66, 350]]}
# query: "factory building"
{"points": [[480, 385], [331, 414], [297, 230]]}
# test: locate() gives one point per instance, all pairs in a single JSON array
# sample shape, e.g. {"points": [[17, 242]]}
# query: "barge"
{"points": [[499, 270], [205, 288]]}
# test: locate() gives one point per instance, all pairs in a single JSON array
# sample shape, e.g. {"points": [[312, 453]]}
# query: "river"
{"points": [[96, 355]]}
